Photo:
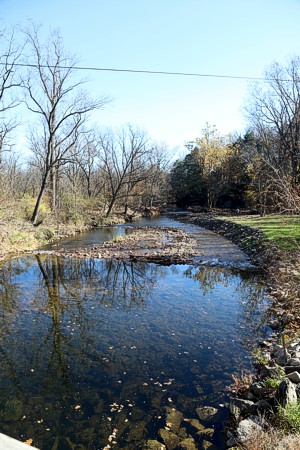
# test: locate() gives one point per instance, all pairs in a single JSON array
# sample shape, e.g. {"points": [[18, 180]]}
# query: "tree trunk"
{"points": [[39, 199], [110, 207]]}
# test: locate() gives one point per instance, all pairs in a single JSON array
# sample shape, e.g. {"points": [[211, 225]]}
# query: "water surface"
{"points": [[92, 346]]}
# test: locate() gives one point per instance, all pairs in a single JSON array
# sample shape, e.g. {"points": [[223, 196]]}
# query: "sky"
{"points": [[221, 37]]}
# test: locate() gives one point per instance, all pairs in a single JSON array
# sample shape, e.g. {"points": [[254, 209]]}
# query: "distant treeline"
{"points": [[75, 167]]}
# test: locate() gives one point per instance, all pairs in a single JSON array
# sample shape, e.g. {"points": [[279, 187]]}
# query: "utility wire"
{"points": [[151, 72]]}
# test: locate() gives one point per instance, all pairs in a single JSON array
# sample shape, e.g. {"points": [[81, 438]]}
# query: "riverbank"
{"points": [[18, 236], [270, 395], [282, 268]]}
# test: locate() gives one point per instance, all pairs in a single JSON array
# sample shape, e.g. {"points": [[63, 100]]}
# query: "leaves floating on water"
{"points": [[28, 442]]}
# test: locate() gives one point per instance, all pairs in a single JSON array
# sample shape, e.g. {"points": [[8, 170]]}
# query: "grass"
{"points": [[282, 230], [289, 417]]}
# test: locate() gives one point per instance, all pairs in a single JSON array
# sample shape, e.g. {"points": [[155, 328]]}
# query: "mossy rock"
{"points": [[153, 444], [187, 444]]}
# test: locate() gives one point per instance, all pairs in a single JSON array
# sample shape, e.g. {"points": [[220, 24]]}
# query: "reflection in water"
{"points": [[87, 346]]}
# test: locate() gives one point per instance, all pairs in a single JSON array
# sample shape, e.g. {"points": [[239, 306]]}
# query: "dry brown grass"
{"points": [[272, 439]]}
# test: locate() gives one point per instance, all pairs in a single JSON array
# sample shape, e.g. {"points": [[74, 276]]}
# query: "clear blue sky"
{"points": [[225, 37]]}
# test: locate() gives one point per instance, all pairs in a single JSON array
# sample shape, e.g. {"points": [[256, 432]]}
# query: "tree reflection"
{"points": [[249, 286], [48, 323]]}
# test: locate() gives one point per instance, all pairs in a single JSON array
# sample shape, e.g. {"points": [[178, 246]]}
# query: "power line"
{"points": [[151, 72]]}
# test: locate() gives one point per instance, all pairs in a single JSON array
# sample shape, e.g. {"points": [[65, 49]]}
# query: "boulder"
{"points": [[290, 369], [260, 390], [240, 407], [246, 429], [294, 377], [286, 393], [265, 405], [293, 362]]}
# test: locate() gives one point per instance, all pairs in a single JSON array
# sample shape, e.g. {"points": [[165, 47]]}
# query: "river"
{"points": [[97, 353]]}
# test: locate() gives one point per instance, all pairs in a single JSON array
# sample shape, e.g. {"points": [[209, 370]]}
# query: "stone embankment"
{"points": [[276, 384]]}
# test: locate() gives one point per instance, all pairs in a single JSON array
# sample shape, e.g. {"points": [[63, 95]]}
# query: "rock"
{"points": [[197, 425], [136, 432], [206, 445], [274, 324], [264, 405], [277, 348], [260, 390], [187, 444], [12, 410], [152, 444], [137, 414], [286, 393], [207, 432], [294, 377], [287, 318], [246, 429], [290, 369], [293, 362], [207, 413], [231, 442], [173, 418], [268, 371], [182, 433], [283, 358], [294, 347], [240, 407], [169, 438]]}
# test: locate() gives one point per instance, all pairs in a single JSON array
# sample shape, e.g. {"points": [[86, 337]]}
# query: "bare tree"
{"points": [[54, 95], [273, 110], [10, 53], [88, 160], [155, 185], [125, 158]]}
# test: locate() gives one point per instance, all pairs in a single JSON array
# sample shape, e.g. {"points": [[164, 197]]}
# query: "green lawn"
{"points": [[281, 229]]}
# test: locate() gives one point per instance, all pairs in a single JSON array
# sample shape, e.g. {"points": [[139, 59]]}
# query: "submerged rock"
{"points": [[206, 445], [153, 444], [187, 444], [207, 413], [173, 418], [170, 439]]}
